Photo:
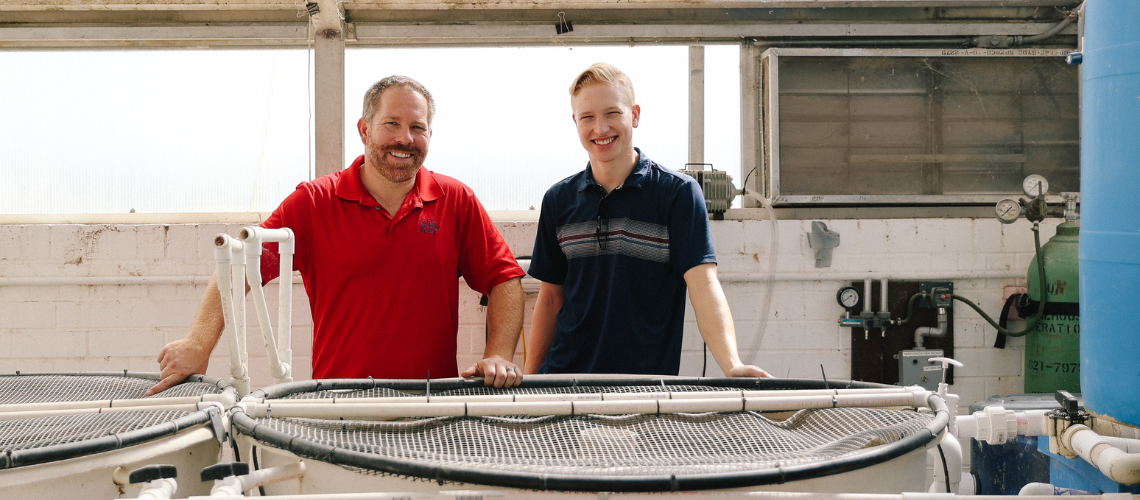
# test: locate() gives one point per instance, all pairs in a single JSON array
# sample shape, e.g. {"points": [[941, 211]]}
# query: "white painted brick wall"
{"points": [[74, 328]]}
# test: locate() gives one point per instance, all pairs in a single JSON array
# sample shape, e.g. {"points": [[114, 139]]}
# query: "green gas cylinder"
{"points": [[1052, 352]]}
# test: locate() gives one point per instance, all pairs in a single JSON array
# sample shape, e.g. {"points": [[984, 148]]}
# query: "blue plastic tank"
{"points": [[1110, 210]]}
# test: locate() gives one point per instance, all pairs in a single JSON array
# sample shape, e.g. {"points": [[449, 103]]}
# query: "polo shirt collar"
{"points": [[350, 187], [635, 179]]}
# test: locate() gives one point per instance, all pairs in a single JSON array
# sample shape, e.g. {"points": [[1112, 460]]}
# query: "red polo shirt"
{"points": [[384, 290]]}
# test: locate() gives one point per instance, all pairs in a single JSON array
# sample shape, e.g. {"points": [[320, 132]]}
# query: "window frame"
{"points": [[767, 140]]}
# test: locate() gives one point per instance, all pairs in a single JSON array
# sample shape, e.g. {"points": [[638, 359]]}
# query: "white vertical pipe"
{"points": [[883, 295], [252, 236], [867, 295], [238, 276], [285, 298], [224, 249]]}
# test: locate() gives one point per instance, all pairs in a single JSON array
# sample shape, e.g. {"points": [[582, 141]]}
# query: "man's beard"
{"points": [[391, 170]]}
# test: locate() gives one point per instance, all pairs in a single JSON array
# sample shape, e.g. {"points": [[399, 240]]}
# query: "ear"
{"points": [[574, 118], [636, 114], [362, 127]]}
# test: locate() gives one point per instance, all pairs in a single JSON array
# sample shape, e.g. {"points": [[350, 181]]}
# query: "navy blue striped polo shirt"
{"points": [[621, 258]]}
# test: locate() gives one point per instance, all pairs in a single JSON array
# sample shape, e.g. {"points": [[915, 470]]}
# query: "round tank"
{"points": [[1110, 196]]}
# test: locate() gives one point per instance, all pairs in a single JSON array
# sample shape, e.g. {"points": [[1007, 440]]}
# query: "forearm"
{"points": [[542, 326], [504, 319], [208, 322], [714, 320]]}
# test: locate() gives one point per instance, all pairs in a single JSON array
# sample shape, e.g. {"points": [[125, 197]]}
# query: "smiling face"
{"points": [[396, 140], [605, 120]]}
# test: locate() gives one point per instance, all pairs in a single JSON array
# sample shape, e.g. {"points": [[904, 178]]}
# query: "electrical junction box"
{"points": [[915, 368]]}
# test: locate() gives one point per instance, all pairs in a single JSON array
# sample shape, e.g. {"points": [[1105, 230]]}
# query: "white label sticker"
{"points": [[921, 354], [936, 368]]}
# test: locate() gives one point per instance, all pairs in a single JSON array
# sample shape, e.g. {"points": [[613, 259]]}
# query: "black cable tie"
{"points": [[673, 482]]}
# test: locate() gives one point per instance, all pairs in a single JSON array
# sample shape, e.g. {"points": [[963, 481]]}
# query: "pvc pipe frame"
{"points": [[1120, 465], [225, 248], [226, 399], [358, 411], [278, 347], [246, 267], [615, 396], [188, 407]]}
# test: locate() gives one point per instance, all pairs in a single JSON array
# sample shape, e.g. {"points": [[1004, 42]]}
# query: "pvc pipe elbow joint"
{"points": [[1117, 464]]}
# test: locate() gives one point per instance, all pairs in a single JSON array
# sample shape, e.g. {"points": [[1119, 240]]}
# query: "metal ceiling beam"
{"points": [[383, 34], [294, 34]]}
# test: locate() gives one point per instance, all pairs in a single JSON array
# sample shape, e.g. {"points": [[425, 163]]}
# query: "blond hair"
{"points": [[602, 73]]}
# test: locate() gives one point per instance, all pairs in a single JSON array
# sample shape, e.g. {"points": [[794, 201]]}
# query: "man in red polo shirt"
{"points": [[380, 247]]}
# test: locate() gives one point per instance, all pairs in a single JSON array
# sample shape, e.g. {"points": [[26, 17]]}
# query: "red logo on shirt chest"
{"points": [[428, 226]]}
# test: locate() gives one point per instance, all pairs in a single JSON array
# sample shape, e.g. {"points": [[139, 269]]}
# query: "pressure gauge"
{"points": [[1035, 185], [1007, 210], [849, 297]]}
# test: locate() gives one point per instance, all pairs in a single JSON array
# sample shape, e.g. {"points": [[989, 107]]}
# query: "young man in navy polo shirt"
{"points": [[380, 246], [617, 244]]}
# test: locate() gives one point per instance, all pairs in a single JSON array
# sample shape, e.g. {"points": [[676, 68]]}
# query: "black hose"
{"points": [[909, 309], [945, 469], [1032, 321]]}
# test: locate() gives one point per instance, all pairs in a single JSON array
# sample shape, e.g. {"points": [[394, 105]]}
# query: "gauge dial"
{"points": [[849, 297], [1035, 185], [1007, 210]]}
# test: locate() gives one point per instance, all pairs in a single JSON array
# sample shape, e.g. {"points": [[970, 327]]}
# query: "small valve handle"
{"points": [[946, 362], [153, 472], [222, 471]]}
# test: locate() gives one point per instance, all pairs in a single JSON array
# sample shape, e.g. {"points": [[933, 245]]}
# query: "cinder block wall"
{"points": [[52, 318]]}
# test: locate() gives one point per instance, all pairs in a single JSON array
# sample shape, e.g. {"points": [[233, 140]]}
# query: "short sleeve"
{"points": [[690, 237], [485, 259], [289, 214], [548, 261]]}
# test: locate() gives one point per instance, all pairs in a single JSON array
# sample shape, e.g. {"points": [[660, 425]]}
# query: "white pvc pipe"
{"points": [[238, 485], [883, 295], [1122, 466], [867, 295], [224, 250], [238, 276], [1037, 489], [616, 396], [114, 403], [364, 411], [159, 488], [857, 276], [995, 424], [19, 415], [253, 238], [952, 450], [285, 297]]}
